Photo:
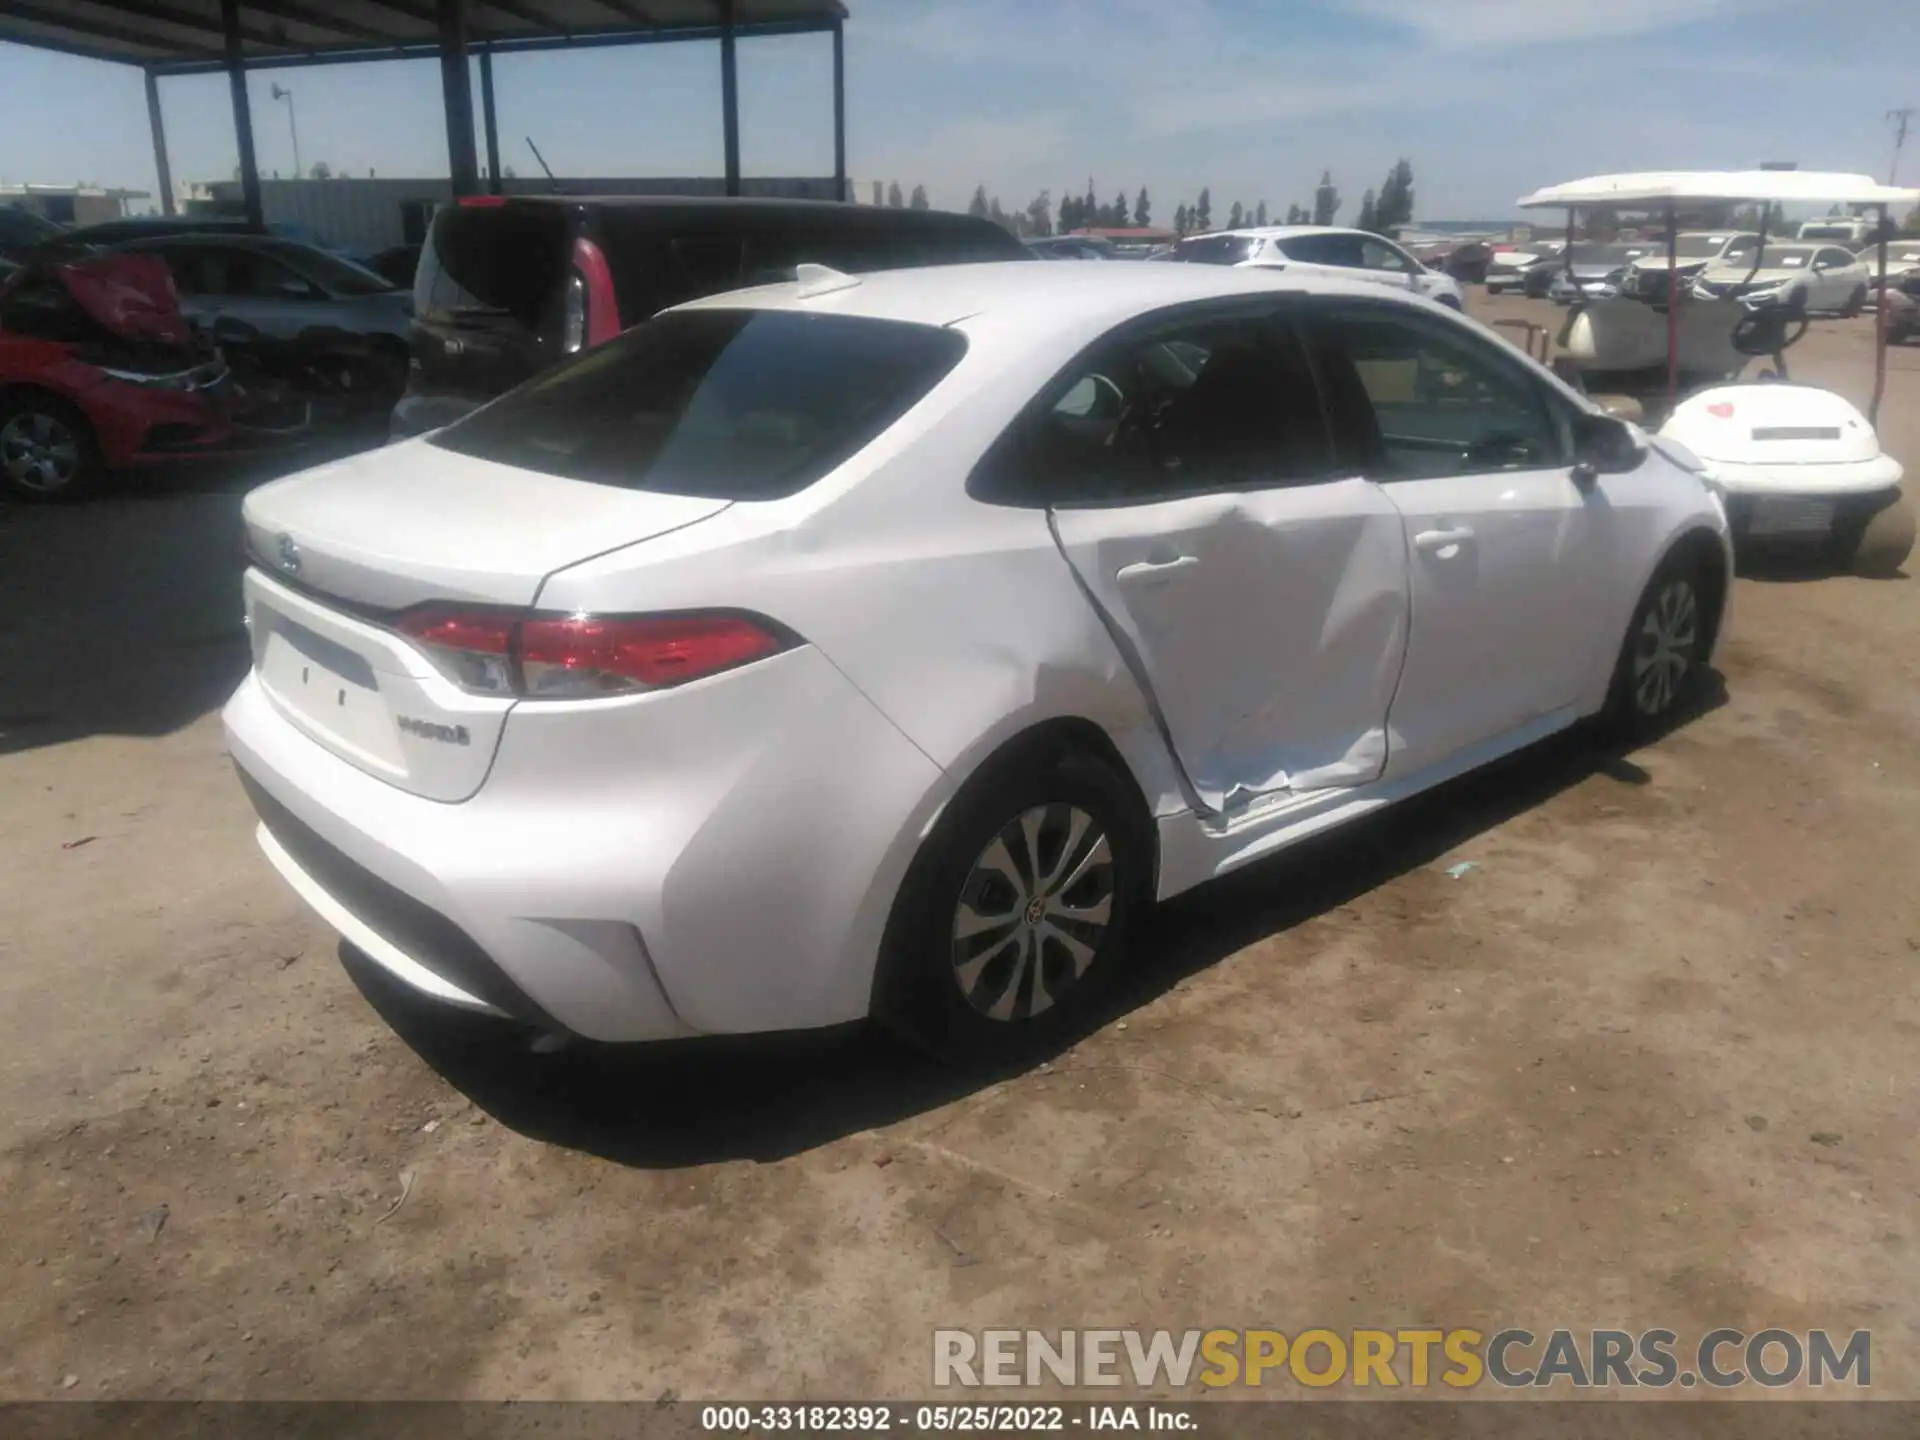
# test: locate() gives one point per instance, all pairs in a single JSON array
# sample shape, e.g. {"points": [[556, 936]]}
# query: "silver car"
{"points": [[268, 288]]}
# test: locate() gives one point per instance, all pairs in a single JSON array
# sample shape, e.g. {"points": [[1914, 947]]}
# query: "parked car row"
{"points": [[1322, 250]]}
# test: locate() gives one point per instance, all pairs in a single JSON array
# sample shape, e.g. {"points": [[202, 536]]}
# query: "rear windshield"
{"points": [[505, 260], [731, 404]]}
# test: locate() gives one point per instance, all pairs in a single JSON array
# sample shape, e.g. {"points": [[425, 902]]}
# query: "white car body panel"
{"points": [[1507, 572], [1778, 439], [723, 857], [1259, 706], [1829, 288]]}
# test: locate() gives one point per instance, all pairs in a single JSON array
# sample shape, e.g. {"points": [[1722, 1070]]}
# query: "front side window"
{"points": [[1227, 403], [1415, 398], [730, 404]]}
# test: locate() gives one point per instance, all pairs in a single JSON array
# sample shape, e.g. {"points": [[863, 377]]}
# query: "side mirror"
{"points": [[1603, 445]]}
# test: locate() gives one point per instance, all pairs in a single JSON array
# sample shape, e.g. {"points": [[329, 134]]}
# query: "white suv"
{"points": [[1322, 249]]}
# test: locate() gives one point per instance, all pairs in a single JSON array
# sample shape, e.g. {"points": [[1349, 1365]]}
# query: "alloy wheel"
{"points": [[39, 451], [1663, 647], [1033, 912]]}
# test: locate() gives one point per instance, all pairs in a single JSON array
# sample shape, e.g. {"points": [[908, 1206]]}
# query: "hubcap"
{"points": [[1033, 911], [39, 451], [1663, 648]]}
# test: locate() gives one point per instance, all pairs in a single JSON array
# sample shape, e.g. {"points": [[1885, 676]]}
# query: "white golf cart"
{"points": [[1793, 463]]}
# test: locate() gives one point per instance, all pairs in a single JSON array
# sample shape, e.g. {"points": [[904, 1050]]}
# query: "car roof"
{"points": [[1097, 296], [715, 205], [1285, 232]]}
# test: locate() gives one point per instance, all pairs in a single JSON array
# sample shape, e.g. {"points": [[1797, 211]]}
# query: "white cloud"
{"points": [[1498, 24]]}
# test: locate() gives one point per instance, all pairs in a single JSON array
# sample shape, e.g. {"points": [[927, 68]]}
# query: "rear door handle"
{"points": [[1431, 540], [1142, 571]]}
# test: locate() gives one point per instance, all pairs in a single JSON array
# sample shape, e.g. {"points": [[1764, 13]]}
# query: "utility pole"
{"points": [[1899, 118], [280, 92]]}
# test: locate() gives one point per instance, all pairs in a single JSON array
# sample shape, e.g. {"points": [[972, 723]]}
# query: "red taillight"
{"points": [[478, 201], [472, 648], [579, 655], [568, 657], [601, 321]]}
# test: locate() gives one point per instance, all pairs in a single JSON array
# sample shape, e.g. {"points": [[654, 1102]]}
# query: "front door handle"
{"points": [[1431, 540], [1142, 571]]}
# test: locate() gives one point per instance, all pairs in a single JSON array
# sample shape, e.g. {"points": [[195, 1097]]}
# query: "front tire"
{"points": [[1663, 658], [1018, 909], [47, 449]]}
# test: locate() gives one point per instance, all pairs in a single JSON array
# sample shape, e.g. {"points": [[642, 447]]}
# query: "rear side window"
{"points": [[1209, 404], [504, 260], [1217, 249], [732, 404], [1325, 250]]}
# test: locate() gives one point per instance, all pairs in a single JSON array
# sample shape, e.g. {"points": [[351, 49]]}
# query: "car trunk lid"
{"points": [[343, 550], [414, 522]]}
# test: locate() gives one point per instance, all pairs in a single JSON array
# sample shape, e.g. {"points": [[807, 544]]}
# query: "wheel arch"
{"points": [[1707, 552], [1052, 740]]}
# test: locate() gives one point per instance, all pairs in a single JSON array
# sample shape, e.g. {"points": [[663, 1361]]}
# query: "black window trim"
{"points": [[1281, 309], [1558, 411]]}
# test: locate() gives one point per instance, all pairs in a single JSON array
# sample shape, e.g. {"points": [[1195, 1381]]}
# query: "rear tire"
{"points": [[48, 452], [1663, 657], [1856, 302], [1018, 909]]}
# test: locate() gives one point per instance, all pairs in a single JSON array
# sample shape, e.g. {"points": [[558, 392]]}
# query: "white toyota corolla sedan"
{"points": [[886, 646]]}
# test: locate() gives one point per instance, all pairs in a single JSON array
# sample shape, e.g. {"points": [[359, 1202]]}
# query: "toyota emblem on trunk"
{"points": [[289, 555]]}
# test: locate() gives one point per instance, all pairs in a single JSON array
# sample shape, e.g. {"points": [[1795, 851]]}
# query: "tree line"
{"points": [[1384, 210]]}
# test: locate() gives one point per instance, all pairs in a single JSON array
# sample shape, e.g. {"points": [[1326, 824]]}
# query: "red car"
{"points": [[99, 370]]}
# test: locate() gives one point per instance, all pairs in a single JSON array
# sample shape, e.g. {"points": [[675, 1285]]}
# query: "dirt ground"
{"points": [[1578, 1085]]}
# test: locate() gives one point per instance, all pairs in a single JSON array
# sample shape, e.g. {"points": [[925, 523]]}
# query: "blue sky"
{"points": [[1486, 98]]}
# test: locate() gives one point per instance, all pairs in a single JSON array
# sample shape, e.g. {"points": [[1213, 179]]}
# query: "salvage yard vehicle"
{"points": [[1510, 269], [1796, 464], [1591, 270], [1694, 251], [506, 287], [1800, 277], [1322, 249], [295, 315], [99, 370], [886, 645]]}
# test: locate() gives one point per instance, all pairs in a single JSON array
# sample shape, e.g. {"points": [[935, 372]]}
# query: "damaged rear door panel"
{"points": [[1260, 597]]}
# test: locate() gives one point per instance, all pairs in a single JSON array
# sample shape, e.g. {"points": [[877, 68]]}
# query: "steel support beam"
{"points": [[840, 111], [503, 45], [489, 122], [729, 97], [242, 114], [159, 129], [456, 88]]}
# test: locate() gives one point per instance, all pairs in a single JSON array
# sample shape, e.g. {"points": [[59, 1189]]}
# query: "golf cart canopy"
{"points": [[1660, 188]]}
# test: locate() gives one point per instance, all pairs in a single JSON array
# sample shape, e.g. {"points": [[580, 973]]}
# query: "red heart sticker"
{"points": [[1722, 409]]}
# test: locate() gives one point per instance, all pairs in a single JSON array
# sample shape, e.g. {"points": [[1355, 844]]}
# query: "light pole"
{"points": [[280, 92]]}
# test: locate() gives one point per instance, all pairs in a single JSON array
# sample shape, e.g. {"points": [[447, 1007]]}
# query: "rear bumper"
{"points": [[1859, 477], [720, 863]]}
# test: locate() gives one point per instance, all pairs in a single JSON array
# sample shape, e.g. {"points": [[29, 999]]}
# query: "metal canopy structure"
{"points": [[202, 37]]}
